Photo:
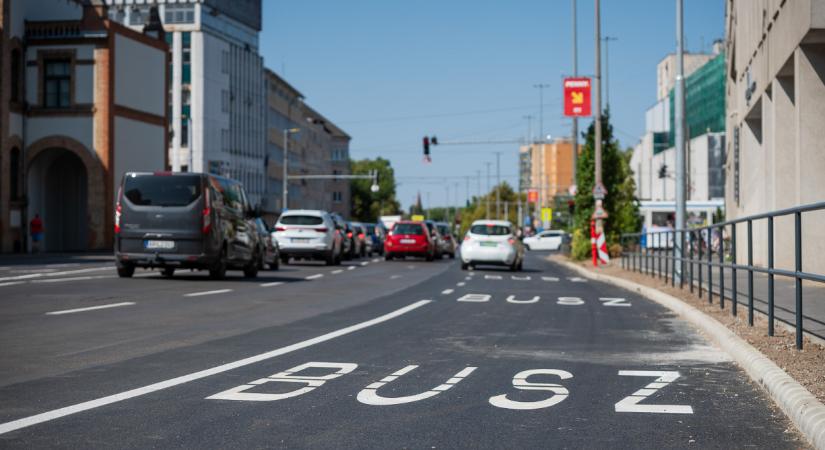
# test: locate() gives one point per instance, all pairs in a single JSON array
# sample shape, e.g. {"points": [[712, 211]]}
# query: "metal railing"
{"points": [[709, 247]]}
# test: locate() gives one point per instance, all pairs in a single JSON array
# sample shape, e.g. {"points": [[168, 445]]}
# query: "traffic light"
{"points": [[434, 140], [571, 206], [663, 171], [426, 142]]}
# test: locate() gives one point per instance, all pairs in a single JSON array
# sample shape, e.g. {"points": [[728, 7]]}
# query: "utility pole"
{"points": [[598, 125], [429, 206], [487, 197], [607, 40], [540, 87], [447, 208], [498, 185], [455, 204], [679, 119], [478, 181], [575, 74]]}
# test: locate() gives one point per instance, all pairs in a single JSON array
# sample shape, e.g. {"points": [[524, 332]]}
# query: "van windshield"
{"points": [[301, 220], [162, 190], [490, 230]]}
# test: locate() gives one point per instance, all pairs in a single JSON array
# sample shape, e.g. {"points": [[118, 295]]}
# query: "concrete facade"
{"points": [[550, 168], [319, 148], [666, 71], [68, 128], [776, 110]]}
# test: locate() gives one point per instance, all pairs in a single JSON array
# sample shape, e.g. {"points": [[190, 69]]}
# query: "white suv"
{"points": [[308, 234]]}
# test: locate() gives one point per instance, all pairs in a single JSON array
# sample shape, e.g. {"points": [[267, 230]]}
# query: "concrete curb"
{"points": [[804, 410]]}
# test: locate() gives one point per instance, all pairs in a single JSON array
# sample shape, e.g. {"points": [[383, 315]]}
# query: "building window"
{"points": [[15, 179], [180, 14], [16, 75], [184, 132], [337, 197], [57, 83], [186, 57], [139, 15]]}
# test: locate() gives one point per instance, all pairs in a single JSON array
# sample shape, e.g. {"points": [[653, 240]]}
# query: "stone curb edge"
{"points": [[804, 410]]}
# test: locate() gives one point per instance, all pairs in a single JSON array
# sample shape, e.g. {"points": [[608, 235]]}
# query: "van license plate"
{"points": [[159, 245]]}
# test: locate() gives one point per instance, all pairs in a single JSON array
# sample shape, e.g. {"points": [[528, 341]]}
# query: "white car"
{"points": [[308, 234], [492, 242], [546, 240]]}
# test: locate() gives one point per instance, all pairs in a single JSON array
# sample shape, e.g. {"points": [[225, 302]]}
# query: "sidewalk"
{"points": [[813, 294], [28, 259]]}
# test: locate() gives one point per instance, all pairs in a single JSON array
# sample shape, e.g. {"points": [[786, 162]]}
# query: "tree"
{"points": [[620, 203], [368, 205]]}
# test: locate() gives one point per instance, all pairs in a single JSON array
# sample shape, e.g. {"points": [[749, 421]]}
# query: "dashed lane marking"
{"points": [[524, 278], [90, 308], [60, 280], [199, 294], [12, 283], [336, 272], [577, 279], [375, 260], [314, 277], [447, 291], [364, 263], [103, 401], [460, 284], [395, 277], [550, 278], [274, 283], [351, 268], [492, 277]]}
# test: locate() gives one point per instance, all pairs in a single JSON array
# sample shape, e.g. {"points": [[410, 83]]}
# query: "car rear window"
{"points": [[301, 220], [162, 190], [408, 228], [371, 229], [490, 230], [443, 230]]}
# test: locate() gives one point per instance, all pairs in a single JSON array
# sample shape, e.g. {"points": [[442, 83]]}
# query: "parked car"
{"points": [[352, 235], [375, 233], [346, 242], [439, 241], [546, 240], [448, 244], [308, 234], [408, 238], [360, 232], [184, 220], [492, 242], [269, 246]]}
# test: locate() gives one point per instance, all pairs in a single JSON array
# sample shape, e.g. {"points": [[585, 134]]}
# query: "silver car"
{"points": [[308, 234]]}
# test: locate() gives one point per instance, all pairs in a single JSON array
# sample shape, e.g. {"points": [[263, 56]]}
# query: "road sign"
{"points": [[577, 97], [533, 196], [546, 214], [599, 191], [417, 218]]}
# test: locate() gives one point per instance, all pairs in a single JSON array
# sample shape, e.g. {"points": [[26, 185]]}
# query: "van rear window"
{"points": [[301, 220], [162, 190]]}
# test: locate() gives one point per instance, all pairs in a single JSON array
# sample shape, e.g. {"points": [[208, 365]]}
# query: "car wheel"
{"points": [[387, 257], [284, 259], [251, 269], [168, 272], [329, 259], [430, 256], [125, 271], [276, 264], [218, 269], [464, 266], [452, 255]]}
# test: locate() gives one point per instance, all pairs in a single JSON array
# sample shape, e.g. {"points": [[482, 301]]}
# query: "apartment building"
{"points": [[217, 98], [76, 112], [776, 110]]}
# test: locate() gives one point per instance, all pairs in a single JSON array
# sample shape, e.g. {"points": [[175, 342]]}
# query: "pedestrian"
{"points": [[36, 230]]}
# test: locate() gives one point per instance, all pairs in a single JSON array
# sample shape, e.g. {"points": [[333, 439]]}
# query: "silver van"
{"points": [[187, 221]]}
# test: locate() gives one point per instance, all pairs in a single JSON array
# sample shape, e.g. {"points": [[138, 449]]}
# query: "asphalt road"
{"points": [[374, 354]]}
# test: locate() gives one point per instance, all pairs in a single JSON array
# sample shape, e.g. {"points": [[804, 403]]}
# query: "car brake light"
{"points": [[207, 214], [361, 235], [280, 229], [118, 210], [511, 241], [321, 230], [466, 238], [349, 234]]}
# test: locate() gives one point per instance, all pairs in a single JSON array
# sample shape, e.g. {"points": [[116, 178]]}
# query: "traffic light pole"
{"points": [[679, 120]]}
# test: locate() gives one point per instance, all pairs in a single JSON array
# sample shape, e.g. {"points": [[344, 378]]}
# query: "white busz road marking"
{"points": [[663, 378], [564, 301], [90, 308], [103, 401], [475, 298], [512, 299], [369, 395]]}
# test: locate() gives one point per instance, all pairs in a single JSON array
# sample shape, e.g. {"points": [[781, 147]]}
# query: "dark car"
{"points": [[268, 246], [184, 220], [364, 241], [351, 233], [448, 243], [346, 241], [376, 235], [436, 236]]}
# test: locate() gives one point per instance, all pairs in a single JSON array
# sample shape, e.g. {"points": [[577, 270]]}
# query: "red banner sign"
{"points": [[577, 97], [533, 196]]}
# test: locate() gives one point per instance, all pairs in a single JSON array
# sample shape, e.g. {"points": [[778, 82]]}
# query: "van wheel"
{"points": [[251, 269], [218, 269], [430, 256], [276, 264], [125, 271], [168, 272]]}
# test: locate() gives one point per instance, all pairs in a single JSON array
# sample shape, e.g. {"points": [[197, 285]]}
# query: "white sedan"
{"points": [[491, 242], [546, 240]]}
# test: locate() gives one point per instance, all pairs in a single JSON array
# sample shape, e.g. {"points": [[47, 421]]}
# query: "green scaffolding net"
{"points": [[704, 101]]}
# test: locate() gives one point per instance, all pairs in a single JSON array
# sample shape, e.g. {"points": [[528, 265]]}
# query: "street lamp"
{"points": [[287, 132]]}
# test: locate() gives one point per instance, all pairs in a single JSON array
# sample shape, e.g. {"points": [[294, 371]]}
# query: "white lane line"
{"points": [[314, 277], [11, 283], [336, 272], [198, 294], [60, 280], [91, 308], [447, 292], [460, 284], [395, 277], [364, 263], [351, 268], [54, 274], [376, 260], [103, 401], [274, 283]]}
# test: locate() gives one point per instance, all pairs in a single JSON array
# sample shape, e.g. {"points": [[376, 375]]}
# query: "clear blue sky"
{"points": [[389, 72]]}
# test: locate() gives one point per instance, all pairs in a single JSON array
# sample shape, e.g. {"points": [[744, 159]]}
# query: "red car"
{"points": [[408, 238]]}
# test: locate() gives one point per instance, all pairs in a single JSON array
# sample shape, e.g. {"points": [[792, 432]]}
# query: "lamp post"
{"points": [[287, 132]]}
